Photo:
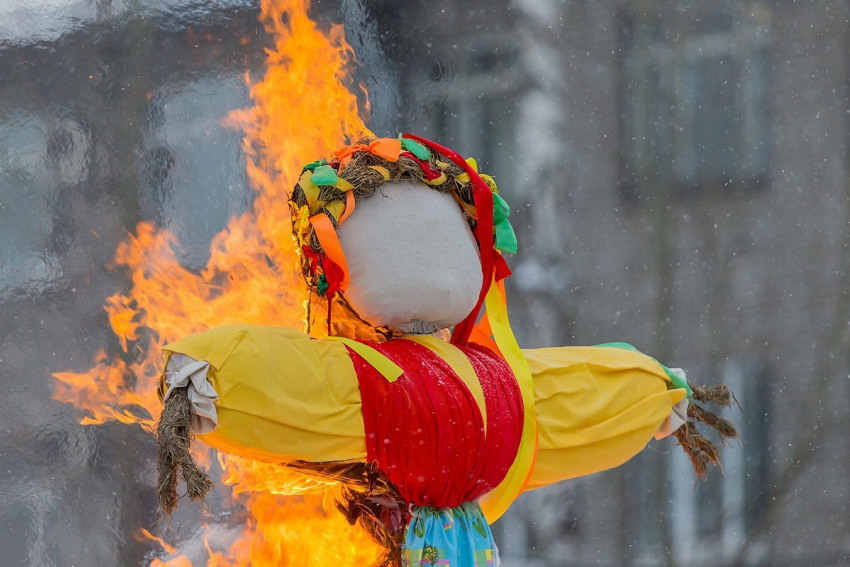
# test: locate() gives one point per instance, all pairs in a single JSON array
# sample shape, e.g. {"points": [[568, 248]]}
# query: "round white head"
{"points": [[412, 260]]}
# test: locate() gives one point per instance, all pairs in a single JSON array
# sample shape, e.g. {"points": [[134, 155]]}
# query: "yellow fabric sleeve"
{"points": [[282, 395], [597, 407]]}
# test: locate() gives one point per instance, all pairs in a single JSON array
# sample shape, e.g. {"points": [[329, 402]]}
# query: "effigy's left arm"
{"points": [[597, 407]]}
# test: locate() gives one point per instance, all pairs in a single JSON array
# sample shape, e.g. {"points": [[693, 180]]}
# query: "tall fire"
{"points": [[250, 277]]}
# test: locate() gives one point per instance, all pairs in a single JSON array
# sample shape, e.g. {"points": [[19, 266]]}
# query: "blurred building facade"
{"points": [[109, 115], [679, 174], [678, 178]]}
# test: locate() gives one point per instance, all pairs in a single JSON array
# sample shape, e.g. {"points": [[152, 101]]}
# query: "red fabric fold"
{"points": [[334, 274], [425, 430], [429, 172]]}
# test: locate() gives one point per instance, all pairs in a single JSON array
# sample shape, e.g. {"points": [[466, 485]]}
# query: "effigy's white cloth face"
{"points": [[412, 259]]}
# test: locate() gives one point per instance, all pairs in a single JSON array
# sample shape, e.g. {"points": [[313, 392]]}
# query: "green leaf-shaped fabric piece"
{"points": [[322, 284], [416, 148], [505, 234], [419, 528], [314, 164], [324, 175], [479, 527]]}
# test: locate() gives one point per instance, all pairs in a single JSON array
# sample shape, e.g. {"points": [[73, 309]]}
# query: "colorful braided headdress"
{"points": [[327, 191]]}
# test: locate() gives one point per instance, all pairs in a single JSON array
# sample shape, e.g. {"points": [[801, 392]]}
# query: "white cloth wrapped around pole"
{"points": [[678, 415], [182, 371]]}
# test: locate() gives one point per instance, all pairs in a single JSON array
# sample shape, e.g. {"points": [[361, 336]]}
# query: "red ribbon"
{"points": [[313, 256], [430, 172], [334, 274]]}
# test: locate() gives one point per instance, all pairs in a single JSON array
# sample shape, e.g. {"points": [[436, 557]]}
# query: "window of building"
{"points": [[694, 98], [188, 182], [39, 157], [755, 432]]}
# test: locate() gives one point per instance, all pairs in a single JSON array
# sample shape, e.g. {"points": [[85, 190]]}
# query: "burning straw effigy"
{"points": [[432, 438]]}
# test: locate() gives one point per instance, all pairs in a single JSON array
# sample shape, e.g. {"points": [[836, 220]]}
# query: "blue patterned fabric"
{"points": [[450, 537]]}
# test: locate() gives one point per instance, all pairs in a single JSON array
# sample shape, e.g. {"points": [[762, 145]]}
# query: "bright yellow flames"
{"points": [[302, 110]]}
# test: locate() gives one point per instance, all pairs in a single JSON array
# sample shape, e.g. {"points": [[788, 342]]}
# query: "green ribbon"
{"points": [[505, 235], [322, 284], [675, 379], [324, 175], [415, 148], [314, 164]]}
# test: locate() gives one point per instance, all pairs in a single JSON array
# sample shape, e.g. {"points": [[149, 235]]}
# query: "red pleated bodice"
{"points": [[425, 430]]}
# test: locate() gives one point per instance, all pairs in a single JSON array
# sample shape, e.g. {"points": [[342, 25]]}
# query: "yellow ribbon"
{"points": [[497, 501], [382, 170], [311, 190], [343, 185], [437, 181], [301, 223], [385, 367], [336, 209], [460, 364]]}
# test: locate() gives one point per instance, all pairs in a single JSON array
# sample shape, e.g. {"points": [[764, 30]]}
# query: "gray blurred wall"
{"points": [[660, 198], [678, 173]]}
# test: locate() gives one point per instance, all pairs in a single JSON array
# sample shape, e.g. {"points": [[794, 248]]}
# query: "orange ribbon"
{"points": [[483, 335], [331, 247], [349, 206], [387, 148]]}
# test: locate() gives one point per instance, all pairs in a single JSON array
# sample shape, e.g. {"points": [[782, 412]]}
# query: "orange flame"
{"points": [[303, 109], [146, 535]]}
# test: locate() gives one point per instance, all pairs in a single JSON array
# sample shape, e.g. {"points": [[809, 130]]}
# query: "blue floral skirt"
{"points": [[451, 537]]}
